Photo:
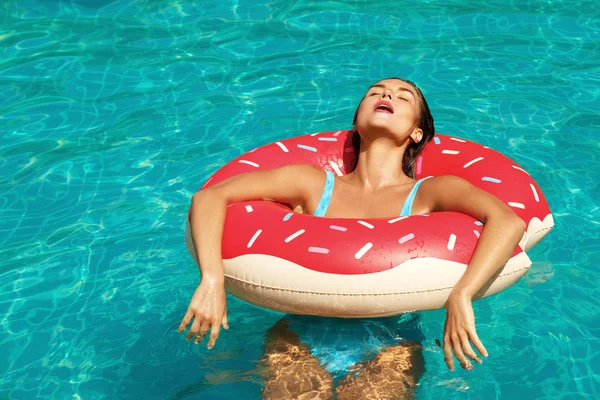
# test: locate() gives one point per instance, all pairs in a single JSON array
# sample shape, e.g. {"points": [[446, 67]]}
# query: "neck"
{"points": [[380, 165]]}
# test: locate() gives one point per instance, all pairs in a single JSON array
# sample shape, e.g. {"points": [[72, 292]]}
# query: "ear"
{"points": [[417, 135]]}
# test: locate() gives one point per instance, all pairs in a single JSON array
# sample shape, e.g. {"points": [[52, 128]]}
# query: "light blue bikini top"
{"points": [[328, 190]]}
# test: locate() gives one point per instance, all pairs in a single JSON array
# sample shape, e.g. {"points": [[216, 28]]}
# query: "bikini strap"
{"points": [[407, 208], [326, 195]]}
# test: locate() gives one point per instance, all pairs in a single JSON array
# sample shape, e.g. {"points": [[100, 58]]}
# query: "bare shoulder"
{"points": [[435, 189], [447, 185], [453, 193], [307, 176], [307, 179]]}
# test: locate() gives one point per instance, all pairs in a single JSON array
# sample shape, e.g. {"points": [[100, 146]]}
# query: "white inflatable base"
{"points": [[418, 284], [536, 230]]}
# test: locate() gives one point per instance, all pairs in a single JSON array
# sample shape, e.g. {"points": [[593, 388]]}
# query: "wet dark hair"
{"points": [[414, 149]]}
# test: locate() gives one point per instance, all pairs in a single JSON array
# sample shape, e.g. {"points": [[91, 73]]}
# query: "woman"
{"points": [[392, 124]]}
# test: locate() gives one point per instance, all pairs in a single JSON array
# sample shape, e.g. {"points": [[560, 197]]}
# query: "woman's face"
{"points": [[390, 107]]}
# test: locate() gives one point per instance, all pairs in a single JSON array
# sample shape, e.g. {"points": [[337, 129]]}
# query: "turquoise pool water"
{"points": [[113, 113]]}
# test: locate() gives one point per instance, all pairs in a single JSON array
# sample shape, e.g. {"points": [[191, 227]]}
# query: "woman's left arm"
{"points": [[502, 232]]}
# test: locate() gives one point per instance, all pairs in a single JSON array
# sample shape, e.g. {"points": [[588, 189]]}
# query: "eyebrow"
{"points": [[399, 88]]}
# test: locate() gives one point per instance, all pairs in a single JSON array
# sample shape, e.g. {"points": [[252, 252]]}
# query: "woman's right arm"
{"points": [[291, 184]]}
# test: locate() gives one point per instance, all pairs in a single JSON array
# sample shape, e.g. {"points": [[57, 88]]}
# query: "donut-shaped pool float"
{"points": [[302, 264]]}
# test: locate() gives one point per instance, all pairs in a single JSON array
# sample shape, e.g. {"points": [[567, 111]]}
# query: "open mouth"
{"points": [[383, 106]]}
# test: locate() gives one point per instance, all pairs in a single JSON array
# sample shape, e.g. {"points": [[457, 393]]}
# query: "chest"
{"points": [[348, 202]]}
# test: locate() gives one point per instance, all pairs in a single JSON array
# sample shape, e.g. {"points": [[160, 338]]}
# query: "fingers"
{"points": [[477, 343], [448, 357], [206, 315], [185, 321], [203, 330], [214, 334], [460, 356], [224, 322], [195, 326], [468, 350], [201, 326], [459, 334], [462, 349]]}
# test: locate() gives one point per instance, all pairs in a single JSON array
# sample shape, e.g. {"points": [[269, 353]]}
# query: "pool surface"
{"points": [[112, 114]]}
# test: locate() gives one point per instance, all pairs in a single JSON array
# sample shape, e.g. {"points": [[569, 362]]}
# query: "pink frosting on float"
{"points": [[353, 246]]}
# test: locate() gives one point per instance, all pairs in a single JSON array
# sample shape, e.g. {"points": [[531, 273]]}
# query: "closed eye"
{"points": [[400, 97]]}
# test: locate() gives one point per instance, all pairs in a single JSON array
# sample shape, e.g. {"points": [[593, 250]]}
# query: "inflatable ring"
{"points": [[301, 264]]}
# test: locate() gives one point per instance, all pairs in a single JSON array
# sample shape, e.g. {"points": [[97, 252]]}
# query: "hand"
{"points": [[209, 310], [458, 330]]}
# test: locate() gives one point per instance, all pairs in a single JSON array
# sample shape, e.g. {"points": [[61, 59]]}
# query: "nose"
{"points": [[386, 92]]}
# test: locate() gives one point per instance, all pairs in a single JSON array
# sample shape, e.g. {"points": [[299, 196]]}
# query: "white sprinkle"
{"points": [[336, 168], [450, 151], [251, 242], [249, 163], [338, 228], [458, 140], [282, 146], [520, 169], [391, 221], [472, 162], [406, 238], [249, 209], [337, 133], [320, 250], [451, 242], [294, 236], [362, 251], [537, 198], [485, 147], [476, 233], [516, 205], [252, 151], [368, 225], [315, 134]]}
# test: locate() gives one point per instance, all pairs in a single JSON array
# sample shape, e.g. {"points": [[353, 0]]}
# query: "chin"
{"points": [[378, 127]]}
